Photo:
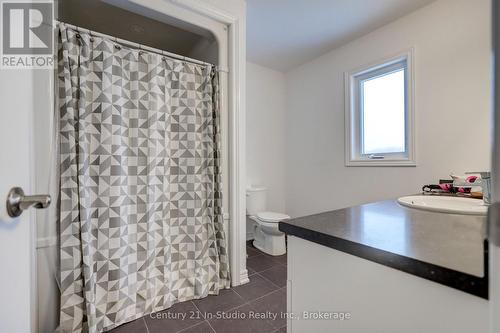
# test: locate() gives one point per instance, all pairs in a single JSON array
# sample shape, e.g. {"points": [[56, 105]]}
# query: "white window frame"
{"points": [[353, 112]]}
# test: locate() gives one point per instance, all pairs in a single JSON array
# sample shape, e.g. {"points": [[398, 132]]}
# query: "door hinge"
{"points": [[494, 223]]}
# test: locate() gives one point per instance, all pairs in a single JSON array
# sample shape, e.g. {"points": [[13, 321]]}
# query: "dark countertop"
{"points": [[445, 248]]}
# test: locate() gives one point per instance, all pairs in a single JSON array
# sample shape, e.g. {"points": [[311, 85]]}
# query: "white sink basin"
{"points": [[453, 205]]}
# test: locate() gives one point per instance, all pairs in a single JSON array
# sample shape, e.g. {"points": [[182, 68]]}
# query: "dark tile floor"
{"points": [[233, 310]]}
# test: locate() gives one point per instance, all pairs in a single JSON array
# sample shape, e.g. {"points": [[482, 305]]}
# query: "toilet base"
{"points": [[273, 245]]}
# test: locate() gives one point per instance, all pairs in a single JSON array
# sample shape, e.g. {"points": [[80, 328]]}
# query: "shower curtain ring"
{"points": [[117, 44]]}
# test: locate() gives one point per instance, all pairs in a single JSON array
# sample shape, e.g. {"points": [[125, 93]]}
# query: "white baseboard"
{"points": [[244, 277]]}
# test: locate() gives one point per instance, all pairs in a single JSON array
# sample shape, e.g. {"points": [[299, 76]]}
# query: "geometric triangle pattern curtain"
{"points": [[141, 224]]}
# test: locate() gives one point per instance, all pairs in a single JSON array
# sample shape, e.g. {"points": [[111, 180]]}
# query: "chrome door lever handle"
{"points": [[17, 202]]}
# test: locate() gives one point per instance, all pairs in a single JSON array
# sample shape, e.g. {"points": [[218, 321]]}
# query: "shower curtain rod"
{"points": [[137, 45]]}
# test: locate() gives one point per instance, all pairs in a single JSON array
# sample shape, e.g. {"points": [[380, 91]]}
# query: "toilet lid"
{"points": [[272, 217]]}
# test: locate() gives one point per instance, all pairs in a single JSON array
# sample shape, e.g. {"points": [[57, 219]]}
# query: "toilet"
{"points": [[267, 237]]}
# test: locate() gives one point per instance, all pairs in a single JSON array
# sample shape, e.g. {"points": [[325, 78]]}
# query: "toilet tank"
{"points": [[256, 200]]}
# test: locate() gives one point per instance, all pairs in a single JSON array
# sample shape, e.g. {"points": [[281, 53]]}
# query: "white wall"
{"points": [[452, 62], [265, 158]]}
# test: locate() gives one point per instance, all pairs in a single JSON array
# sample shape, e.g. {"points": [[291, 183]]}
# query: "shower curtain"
{"points": [[141, 224]]}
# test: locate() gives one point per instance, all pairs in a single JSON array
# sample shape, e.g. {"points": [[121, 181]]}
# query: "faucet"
{"points": [[484, 182]]}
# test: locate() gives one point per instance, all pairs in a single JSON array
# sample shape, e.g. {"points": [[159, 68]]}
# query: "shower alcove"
{"points": [[183, 28]]}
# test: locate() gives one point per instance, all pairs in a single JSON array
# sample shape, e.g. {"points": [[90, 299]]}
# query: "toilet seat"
{"points": [[273, 225], [271, 217]]}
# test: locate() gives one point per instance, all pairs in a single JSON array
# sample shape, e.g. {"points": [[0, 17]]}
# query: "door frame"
{"points": [[494, 223], [229, 31]]}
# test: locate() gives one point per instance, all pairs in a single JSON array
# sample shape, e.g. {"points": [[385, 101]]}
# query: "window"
{"points": [[379, 114]]}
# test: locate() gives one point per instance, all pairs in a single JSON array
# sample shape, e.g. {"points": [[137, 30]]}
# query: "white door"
{"points": [[17, 246], [494, 236], [23, 92]]}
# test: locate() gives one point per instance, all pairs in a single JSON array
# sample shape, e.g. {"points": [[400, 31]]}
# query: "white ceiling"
{"points": [[282, 34]]}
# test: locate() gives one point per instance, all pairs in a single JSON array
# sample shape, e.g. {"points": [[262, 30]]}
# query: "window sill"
{"points": [[380, 163]]}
